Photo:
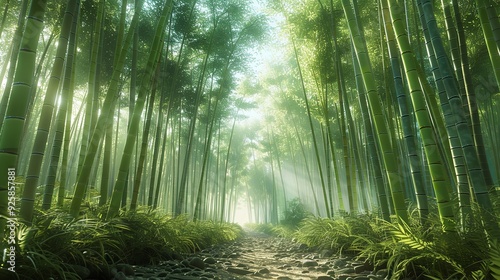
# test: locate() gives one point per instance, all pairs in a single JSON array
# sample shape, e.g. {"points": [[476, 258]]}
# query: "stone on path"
{"points": [[326, 253], [209, 260], [197, 262], [238, 271], [264, 271], [308, 263], [346, 270]]}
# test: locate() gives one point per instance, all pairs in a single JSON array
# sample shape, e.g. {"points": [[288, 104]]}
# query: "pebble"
{"points": [[326, 253], [238, 271], [197, 262], [209, 260], [120, 276], [127, 269], [308, 263], [264, 271], [339, 263], [346, 270]]}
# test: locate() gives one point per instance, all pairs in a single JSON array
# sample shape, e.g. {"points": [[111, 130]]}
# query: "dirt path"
{"points": [[256, 256]]}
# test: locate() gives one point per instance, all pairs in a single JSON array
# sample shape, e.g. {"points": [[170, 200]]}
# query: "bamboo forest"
{"points": [[250, 139]]}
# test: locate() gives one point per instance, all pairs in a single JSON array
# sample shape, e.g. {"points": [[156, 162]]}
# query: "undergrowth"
{"points": [[419, 249], [56, 242]]}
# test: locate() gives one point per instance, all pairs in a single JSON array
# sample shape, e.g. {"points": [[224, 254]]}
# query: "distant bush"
{"points": [[262, 228], [294, 214]]}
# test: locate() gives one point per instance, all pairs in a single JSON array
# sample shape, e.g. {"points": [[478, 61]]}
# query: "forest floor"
{"points": [[256, 256]]}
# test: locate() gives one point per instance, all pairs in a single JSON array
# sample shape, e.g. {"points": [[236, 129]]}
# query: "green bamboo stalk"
{"points": [[106, 165], [471, 96], [482, 9], [475, 171], [4, 16], [12, 128], [383, 135], [163, 88], [92, 94], [435, 164], [406, 119], [456, 154], [222, 210], [156, 149], [60, 123], [315, 142], [69, 114], [452, 33], [44, 124], [13, 54], [308, 170], [134, 124], [162, 159], [492, 10], [104, 118], [384, 198], [145, 138]]}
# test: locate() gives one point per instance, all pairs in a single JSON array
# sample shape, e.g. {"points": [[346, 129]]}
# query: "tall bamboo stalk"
{"points": [[384, 138], [12, 128], [44, 124]]}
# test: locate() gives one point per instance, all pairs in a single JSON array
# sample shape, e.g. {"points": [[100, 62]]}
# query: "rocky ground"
{"points": [[257, 256]]}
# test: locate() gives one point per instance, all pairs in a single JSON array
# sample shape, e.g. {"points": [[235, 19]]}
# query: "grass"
{"points": [[408, 251], [56, 242]]}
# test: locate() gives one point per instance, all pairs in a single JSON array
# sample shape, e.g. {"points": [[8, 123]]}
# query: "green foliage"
{"points": [[57, 241], [425, 252], [273, 230], [495, 259], [342, 234], [262, 228], [411, 250], [294, 214], [283, 231]]}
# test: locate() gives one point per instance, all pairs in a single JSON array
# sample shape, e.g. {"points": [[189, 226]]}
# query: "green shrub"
{"points": [[56, 241], [262, 228], [342, 234], [411, 250], [294, 214]]}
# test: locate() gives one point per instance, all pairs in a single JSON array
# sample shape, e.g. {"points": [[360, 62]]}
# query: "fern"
{"points": [[56, 240], [404, 234], [478, 275], [495, 259]]}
